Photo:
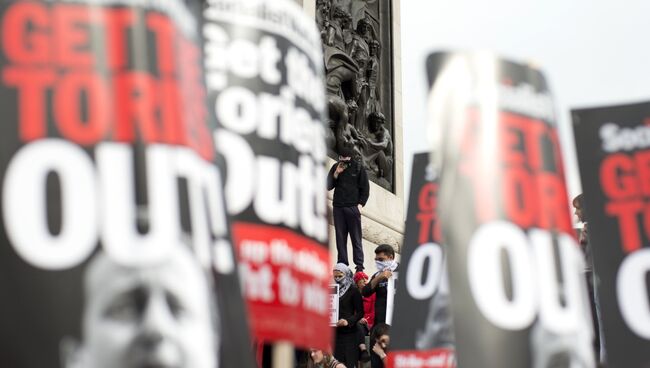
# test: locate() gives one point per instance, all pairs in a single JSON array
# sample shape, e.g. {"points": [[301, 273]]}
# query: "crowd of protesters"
{"points": [[361, 337], [361, 331], [361, 334]]}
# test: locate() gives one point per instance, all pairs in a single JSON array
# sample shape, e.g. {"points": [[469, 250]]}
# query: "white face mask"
{"points": [[338, 279], [384, 265]]}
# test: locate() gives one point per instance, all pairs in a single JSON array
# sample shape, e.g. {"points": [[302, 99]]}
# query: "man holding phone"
{"points": [[349, 180]]}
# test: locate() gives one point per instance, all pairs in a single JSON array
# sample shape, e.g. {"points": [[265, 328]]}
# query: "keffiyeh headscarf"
{"points": [[346, 282]]}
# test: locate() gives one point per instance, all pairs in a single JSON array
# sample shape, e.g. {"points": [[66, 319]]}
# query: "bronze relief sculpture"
{"points": [[355, 80]]}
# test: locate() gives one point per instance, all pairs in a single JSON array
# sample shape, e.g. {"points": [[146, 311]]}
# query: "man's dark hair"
{"points": [[386, 249], [378, 330], [346, 151], [579, 201]]}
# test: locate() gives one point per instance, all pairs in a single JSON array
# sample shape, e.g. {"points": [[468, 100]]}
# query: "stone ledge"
{"points": [[368, 252], [374, 232], [380, 234]]}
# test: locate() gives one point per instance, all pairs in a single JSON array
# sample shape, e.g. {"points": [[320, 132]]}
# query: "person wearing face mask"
{"points": [[386, 265], [380, 341], [346, 349], [349, 180]]}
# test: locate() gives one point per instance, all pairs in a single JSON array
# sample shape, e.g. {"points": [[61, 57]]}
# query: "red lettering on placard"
{"points": [[135, 100], [519, 196], [24, 33], [554, 212], [427, 216], [70, 69], [198, 134], [642, 163], [427, 197], [73, 41], [172, 116], [626, 213], [74, 91], [31, 85], [164, 30], [617, 177], [624, 181], [524, 183], [117, 22]]}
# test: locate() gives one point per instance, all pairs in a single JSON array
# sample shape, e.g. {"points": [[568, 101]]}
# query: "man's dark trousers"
{"points": [[347, 220]]}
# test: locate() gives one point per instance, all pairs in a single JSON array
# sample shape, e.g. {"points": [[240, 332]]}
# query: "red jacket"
{"points": [[369, 309]]}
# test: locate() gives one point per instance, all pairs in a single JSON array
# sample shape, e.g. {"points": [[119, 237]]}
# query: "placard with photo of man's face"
{"points": [[115, 247], [159, 315]]}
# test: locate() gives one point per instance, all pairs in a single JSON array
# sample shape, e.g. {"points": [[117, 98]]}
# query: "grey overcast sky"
{"points": [[593, 52]]}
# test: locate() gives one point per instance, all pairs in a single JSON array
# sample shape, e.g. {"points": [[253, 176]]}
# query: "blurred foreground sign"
{"points": [[265, 86], [114, 245], [515, 269]]}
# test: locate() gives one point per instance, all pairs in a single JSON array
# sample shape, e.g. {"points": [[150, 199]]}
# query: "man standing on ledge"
{"points": [[349, 180]]}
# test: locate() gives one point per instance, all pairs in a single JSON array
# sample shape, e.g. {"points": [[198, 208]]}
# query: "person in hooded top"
{"points": [[349, 180], [346, 348]]}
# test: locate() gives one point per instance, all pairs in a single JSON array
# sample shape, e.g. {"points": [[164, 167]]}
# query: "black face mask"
{"points": [[352, 162]]}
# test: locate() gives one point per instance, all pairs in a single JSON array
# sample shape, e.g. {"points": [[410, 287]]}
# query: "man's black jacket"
{"points": [[351, 187], [381, 301]]}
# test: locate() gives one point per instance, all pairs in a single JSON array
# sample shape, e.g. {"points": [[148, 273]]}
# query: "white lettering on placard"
{"points": [[243, 58], [116, 178], [266, 90], [632, 292], [417, 288], [615, 138], [524, 99], [98, 205], [536, 291], [24, 207], [486, 275]]}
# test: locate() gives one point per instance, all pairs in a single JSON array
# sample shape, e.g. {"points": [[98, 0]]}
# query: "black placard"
{"points": [[613, 153], [422, 333], [266, 90], [115, 248]]}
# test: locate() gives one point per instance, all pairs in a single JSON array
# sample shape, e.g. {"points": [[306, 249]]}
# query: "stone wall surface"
{"points": [[383, 216]]}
